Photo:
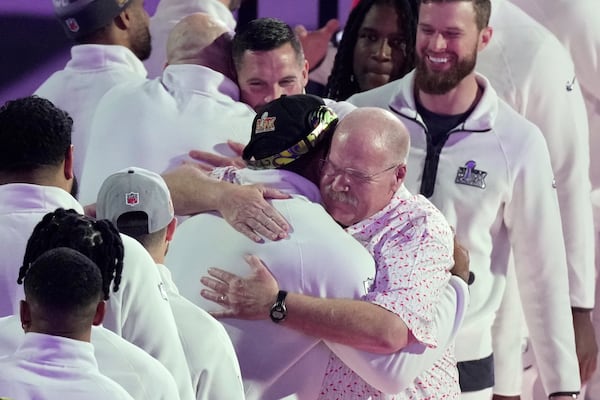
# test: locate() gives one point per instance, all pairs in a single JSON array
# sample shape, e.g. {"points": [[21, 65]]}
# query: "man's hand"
{"points": [[243, 298], [585, 343], [212, 160], [461, 261], [244, 207], [315, 43]]}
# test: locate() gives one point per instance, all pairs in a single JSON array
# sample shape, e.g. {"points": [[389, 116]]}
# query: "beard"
{"points": [[441, 82], [141, 44]]}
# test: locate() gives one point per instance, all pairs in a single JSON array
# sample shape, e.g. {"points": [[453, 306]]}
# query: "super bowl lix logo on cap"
{"points": [[265, 123], [132, 199]]}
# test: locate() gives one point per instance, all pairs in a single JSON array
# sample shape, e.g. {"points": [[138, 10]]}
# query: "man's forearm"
{"points": [[192, 190], [392, 373], [359, 324]]}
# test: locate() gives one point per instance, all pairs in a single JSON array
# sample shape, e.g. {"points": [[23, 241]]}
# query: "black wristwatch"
{"points": [[278, 310]]}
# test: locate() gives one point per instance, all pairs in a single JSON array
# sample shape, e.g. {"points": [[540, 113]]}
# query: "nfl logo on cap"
{"points": [[72, 24], [132, 199], [140, 196]]}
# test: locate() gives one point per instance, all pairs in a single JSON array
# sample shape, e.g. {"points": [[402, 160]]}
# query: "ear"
{"points": [[484, 37], [68, 168], [25, 314], [171, 229], [123, 20], [400, 175], [100, 312]]}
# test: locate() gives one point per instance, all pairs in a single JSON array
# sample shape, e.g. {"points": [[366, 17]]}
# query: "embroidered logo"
{"points": [[265, 123], [72, 24], [570, 85], [470, 176], [132, 199]]}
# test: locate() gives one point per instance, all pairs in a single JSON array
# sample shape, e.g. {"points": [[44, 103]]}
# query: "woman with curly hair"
{"points": [[376, 48]]}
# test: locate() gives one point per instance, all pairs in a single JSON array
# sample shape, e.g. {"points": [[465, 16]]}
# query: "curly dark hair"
{"points": [[33, 133], [98, 240], [341, 83]]}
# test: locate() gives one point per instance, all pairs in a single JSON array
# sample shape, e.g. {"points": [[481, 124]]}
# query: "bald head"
{"points": [[378, 130], [366, 164], [202, 40]]}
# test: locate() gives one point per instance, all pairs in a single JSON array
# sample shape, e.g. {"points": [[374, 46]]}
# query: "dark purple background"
{"points": [[33, 45]]}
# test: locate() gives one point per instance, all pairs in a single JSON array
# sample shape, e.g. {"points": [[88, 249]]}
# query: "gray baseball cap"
{"points": [[136, 190]]}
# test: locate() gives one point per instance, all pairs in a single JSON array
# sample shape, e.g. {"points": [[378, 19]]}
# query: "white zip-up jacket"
{"points": [[494, 185]]}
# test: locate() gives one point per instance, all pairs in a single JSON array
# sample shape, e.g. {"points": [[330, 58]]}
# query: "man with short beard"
{"points": [[488, 170], [112, 39]]}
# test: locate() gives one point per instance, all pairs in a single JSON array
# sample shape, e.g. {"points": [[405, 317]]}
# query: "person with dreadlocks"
{"points": [[142, 376], [64, 292], [97, 240], [377, 47], [36, 177]]}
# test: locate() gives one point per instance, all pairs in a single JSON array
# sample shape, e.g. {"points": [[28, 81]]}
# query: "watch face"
{"points": [[278, 313], [278, 310]]}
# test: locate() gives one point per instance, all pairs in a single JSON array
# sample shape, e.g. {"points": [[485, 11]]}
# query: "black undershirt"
{"points": [[437, 132]]}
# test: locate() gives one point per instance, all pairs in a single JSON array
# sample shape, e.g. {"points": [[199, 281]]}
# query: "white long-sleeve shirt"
{"points": [[494, 185], [55, 368], [92, 70], [140, 374], [138, 311], [154, 124]]}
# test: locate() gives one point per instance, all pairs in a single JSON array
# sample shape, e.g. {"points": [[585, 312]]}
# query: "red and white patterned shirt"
{"points": [[412, 245]]}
